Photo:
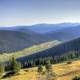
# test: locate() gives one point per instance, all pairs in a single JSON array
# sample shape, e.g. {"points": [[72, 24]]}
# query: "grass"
{"points": [[28, 51], [63, 71]]}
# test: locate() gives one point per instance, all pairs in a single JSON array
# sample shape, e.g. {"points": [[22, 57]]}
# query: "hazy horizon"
{"points": [[30, 12], [28, 25]]}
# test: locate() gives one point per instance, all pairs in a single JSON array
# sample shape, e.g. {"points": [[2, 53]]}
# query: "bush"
{"points": [[40, 68], [69, 62], [43, 73], [76, 78]]}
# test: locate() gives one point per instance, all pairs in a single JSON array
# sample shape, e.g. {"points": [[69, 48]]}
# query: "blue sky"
{"points": [[28, 12]]}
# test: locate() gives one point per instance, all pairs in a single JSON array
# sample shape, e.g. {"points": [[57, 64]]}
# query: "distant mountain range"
{"points": [[61, 32], [20, 37], [65, 34], [41, 28], [46, 28]]}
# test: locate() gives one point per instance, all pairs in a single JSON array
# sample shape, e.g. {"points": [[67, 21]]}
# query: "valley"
{"points": [[39, 39], [25, 48]]}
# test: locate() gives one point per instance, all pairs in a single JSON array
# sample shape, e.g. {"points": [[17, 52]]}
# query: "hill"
{"points": [[65, 34], [62, 32], [28, 51], [46, 28], [11, 41], [68, 50], [39, 28]]}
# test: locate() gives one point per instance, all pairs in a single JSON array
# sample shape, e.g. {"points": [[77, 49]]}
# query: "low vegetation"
{"points": [[76, 78], [62, 71]]}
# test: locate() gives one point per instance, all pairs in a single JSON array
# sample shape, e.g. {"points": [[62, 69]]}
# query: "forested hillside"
{"points": [[61, 52], [65, 34], [11, 41]]}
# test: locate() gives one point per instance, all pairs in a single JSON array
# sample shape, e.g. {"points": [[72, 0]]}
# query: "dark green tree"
{"points": [[15, 65]]}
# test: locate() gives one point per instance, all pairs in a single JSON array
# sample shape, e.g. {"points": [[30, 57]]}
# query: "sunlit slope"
{"points": [[64, 49], [63, 71], [28, 51]]}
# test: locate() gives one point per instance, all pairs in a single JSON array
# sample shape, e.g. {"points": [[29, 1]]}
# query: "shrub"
{"points": [[69, 62], [76, 78]]}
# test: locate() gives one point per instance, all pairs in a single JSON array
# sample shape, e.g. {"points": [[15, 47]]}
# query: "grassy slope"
{"points": [[64, 72], [28, 51]]}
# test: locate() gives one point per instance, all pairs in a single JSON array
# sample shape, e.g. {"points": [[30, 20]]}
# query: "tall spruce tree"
{"points": [[15, 65]]}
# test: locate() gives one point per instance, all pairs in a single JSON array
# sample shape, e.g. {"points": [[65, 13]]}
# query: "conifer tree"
{"points": [[15, 65]]}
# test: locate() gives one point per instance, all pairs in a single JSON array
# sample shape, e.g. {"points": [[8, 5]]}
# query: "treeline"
{"points": [[13, 68], [13, 65], [71, 47], [32, 62], [28, 62]]}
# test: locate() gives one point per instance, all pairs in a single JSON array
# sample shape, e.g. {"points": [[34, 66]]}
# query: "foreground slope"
{"points": [[63, 71]]}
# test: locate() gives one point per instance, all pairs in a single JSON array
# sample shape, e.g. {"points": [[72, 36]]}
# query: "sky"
{"points": [[28, 12]]}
